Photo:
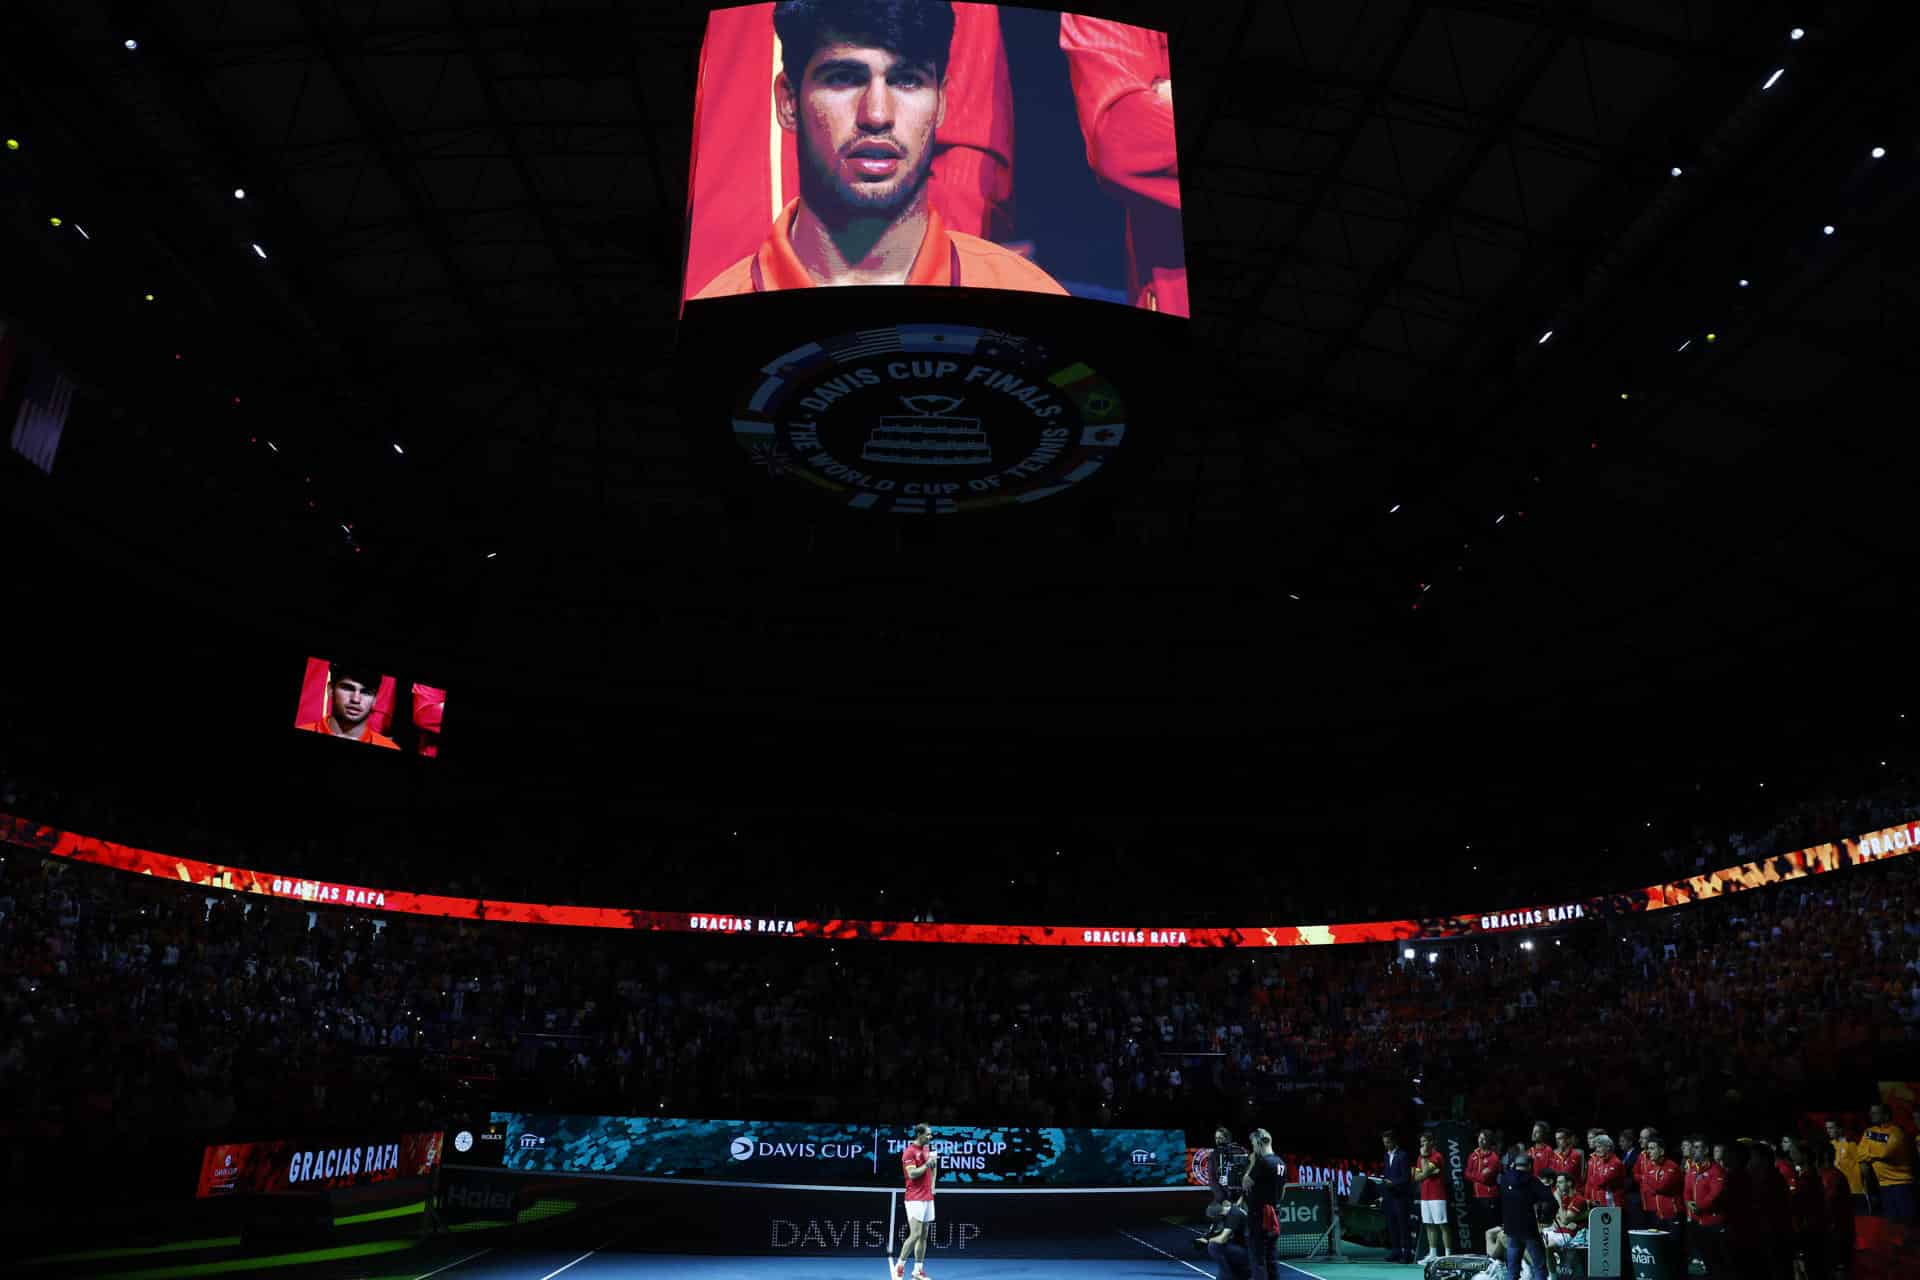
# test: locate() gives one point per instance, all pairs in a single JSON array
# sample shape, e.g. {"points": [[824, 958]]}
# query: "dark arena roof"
{"points": [[1537, 482]]}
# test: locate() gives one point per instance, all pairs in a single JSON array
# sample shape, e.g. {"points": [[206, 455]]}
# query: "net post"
{"points": [[893, 1207]]}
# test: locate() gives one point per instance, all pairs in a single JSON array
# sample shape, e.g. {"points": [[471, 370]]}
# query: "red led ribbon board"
{"points": [[1874, 846], [287, 1165]]}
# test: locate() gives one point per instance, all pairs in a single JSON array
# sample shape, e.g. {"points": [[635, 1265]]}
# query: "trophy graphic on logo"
{"points": [[928, 436]]}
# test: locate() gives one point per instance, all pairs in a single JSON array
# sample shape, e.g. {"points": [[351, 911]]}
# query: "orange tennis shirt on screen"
{"points": [[946, 258], [744, 165], [372, 739]]}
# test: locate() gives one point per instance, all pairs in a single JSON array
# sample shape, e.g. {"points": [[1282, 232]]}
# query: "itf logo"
{"points": [[742, 1148]]}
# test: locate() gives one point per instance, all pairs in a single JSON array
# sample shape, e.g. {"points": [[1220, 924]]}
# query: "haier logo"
{"points": [[1143, 1156], [1297, 1213], [463, 1197], [742, 1149], [531, 1141]]}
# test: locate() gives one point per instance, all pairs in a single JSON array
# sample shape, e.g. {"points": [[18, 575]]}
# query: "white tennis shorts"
{"points": [[919, 1211], [1433, 1212]]}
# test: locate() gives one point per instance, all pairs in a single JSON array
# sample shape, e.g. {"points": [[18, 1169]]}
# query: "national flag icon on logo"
{"points": [[1107, 435]]}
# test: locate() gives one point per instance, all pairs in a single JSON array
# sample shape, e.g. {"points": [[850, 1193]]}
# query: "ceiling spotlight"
{"points": [[131, 44], [148, 297], [1502, 516], [1876, 153], [492, 554], [239, 193], [1674, 172], [1827, 230], [13, 144], [1772, 79], [1623, 395], [397, 448], [1407, 954], [82, 230], [1292, 596], [259, 252], [54, 222], [1683, 346], [271, 445], [1743, 282], [1432, 956], [1796, 33], [1544, 337], [1713, 337], [1395, 507]]}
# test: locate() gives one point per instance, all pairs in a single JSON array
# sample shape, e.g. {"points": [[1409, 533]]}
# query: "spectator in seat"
{"points": [[1606, 1175], [1483, 1175], [1839, 1205], [1662, 1187], [1886, 1151]]}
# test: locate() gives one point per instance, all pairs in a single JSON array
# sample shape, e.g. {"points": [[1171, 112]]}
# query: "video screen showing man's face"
{"points": [[351, 699], [928, 143]]}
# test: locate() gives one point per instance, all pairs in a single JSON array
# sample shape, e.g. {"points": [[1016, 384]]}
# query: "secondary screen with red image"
{"points": [[929, 143], [344, 698]]}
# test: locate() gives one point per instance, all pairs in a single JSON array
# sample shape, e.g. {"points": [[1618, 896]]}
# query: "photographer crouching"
{"points": [[1227, 1246]]}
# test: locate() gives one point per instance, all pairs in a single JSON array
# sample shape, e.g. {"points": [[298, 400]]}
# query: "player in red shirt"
{"points": [[1662, 1186], [1430, 1172], [1123, 92], [921, 1164]]}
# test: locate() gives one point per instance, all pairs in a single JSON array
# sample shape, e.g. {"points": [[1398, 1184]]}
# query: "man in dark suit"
{"points": [[1523, 1198], [1396, 1202]]}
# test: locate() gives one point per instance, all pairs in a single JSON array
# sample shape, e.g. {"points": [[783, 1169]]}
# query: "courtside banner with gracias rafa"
{"points": [[1874, 846], [823, 1154], [286, 1165]]}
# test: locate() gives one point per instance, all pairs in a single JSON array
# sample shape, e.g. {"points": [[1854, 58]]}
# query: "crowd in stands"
{"points": [[134, 1004]]}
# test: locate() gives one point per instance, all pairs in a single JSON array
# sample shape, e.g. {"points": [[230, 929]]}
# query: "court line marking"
{"points": [[1302, 1270], [576, 1262], [451, 1265], [1163, 1253]]}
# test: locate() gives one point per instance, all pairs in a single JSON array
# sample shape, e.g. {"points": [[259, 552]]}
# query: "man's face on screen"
{"points": [[352, 701], [863, 121]]}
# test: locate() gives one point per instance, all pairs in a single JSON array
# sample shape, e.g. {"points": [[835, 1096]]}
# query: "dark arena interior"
{"points": [[1265, 648]]}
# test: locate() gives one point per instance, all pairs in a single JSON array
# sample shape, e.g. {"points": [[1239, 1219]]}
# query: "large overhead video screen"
{"points": [[917, 142], [353, 699]]}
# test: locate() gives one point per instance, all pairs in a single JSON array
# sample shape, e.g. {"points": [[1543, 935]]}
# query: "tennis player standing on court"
{"points": [[921, 1163]]}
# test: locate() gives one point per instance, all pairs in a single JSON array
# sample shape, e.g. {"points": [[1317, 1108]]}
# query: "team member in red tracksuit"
{"points": [[1123, 93], [1839, 1198], [1809, 1207], [1568, 1159], [1772, 1210], [1662, 1187], [1606, 1175], [1707, 1214], [1483, 1175], [1541, 1152], [745, 167]]}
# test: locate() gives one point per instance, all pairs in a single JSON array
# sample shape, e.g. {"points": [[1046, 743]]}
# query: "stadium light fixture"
{"points": [[1543, 338], [82, 230], [1675, 171], [147, 296], [239, 193], [130, 44], [397, 448], [1797, 33], [259, 252], [1743, 282], [1878, 153], [1683, 346], [492, 554], [1773, 79], [1432, 956], [1527, 945], [13, 144], [1827, 230], [55, 222], [1407, 954], [1713, 337]]}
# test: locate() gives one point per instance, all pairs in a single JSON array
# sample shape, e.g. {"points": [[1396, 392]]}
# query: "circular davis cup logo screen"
{"points": [[930, 419]]}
